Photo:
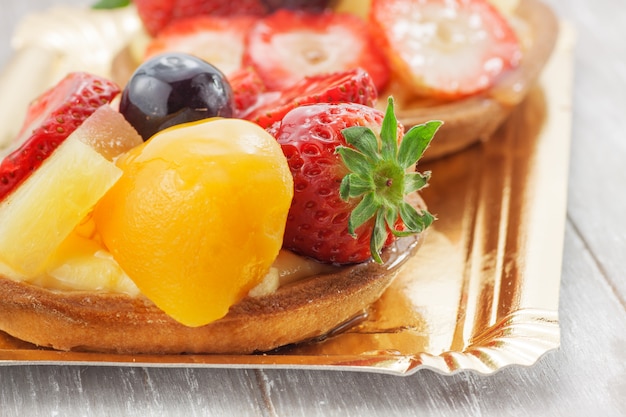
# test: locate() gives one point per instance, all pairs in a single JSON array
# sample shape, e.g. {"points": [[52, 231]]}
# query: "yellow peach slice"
{"points": [[198, 216]]}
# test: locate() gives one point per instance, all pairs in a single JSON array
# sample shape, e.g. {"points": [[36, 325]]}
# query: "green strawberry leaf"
{"points": [[389, 133], [353, 185], [363, 139], [379, 236], [415, 142], [391, 215], [110, 4], [354, 160], [380, 176], [414, 221], [364, 211], [415, 181]]}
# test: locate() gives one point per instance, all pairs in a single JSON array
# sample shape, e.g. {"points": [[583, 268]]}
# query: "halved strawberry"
{"points": [[50, 119], [445, 48], [352, 86], [156, 14], [247, 87], [219, 40], [288, 45]]}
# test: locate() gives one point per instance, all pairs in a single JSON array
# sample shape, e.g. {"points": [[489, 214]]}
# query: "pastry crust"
{"points": [[118, 323]]}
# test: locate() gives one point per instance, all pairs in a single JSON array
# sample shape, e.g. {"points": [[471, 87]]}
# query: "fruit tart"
{"points": [[160, 223], [227, 201]]}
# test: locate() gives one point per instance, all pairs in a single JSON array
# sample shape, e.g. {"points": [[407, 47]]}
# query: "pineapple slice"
{"points": [[41, 213], [83, 263]]}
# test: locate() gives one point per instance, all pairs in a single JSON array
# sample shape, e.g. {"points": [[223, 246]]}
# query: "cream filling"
{"points": [[289, 267], [101, 273]]}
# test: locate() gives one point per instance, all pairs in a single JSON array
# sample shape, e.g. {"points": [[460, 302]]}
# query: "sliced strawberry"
{"points": [[155, 15], [247, 87], [50, 119], [352, 86], [445, 48], [288, 45], [219, 40]]}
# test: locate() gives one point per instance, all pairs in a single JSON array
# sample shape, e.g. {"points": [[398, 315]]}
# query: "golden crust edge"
{"points": [[119, 323]]}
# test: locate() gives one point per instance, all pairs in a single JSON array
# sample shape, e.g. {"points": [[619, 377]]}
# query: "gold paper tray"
{"points": [[482, 293]]}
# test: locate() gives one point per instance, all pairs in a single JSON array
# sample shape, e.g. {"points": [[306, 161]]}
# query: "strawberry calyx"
{"points": [[381, 176]]}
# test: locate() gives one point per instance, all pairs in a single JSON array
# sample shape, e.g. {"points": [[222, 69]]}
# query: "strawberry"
{"points": [[349, 186], [247, 88], [445, 48], [352, 86], [156, 14], [288, 45], [50, 119], [218, 40], [314, 5]]}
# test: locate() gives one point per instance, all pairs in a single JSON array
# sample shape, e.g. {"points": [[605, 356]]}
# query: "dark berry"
{"points": [[174, 88]]}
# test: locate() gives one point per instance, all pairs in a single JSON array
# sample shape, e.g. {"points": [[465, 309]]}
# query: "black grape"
{"points": [[172, 89]]}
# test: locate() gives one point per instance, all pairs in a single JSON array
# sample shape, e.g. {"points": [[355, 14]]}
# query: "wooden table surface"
{"points": [[585, 376]]}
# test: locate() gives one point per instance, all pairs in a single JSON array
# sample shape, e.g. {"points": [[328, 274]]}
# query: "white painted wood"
{"points": [[586, 376]]}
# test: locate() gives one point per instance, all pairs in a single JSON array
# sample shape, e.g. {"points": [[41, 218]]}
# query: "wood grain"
{"points": [[586, 376]]}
